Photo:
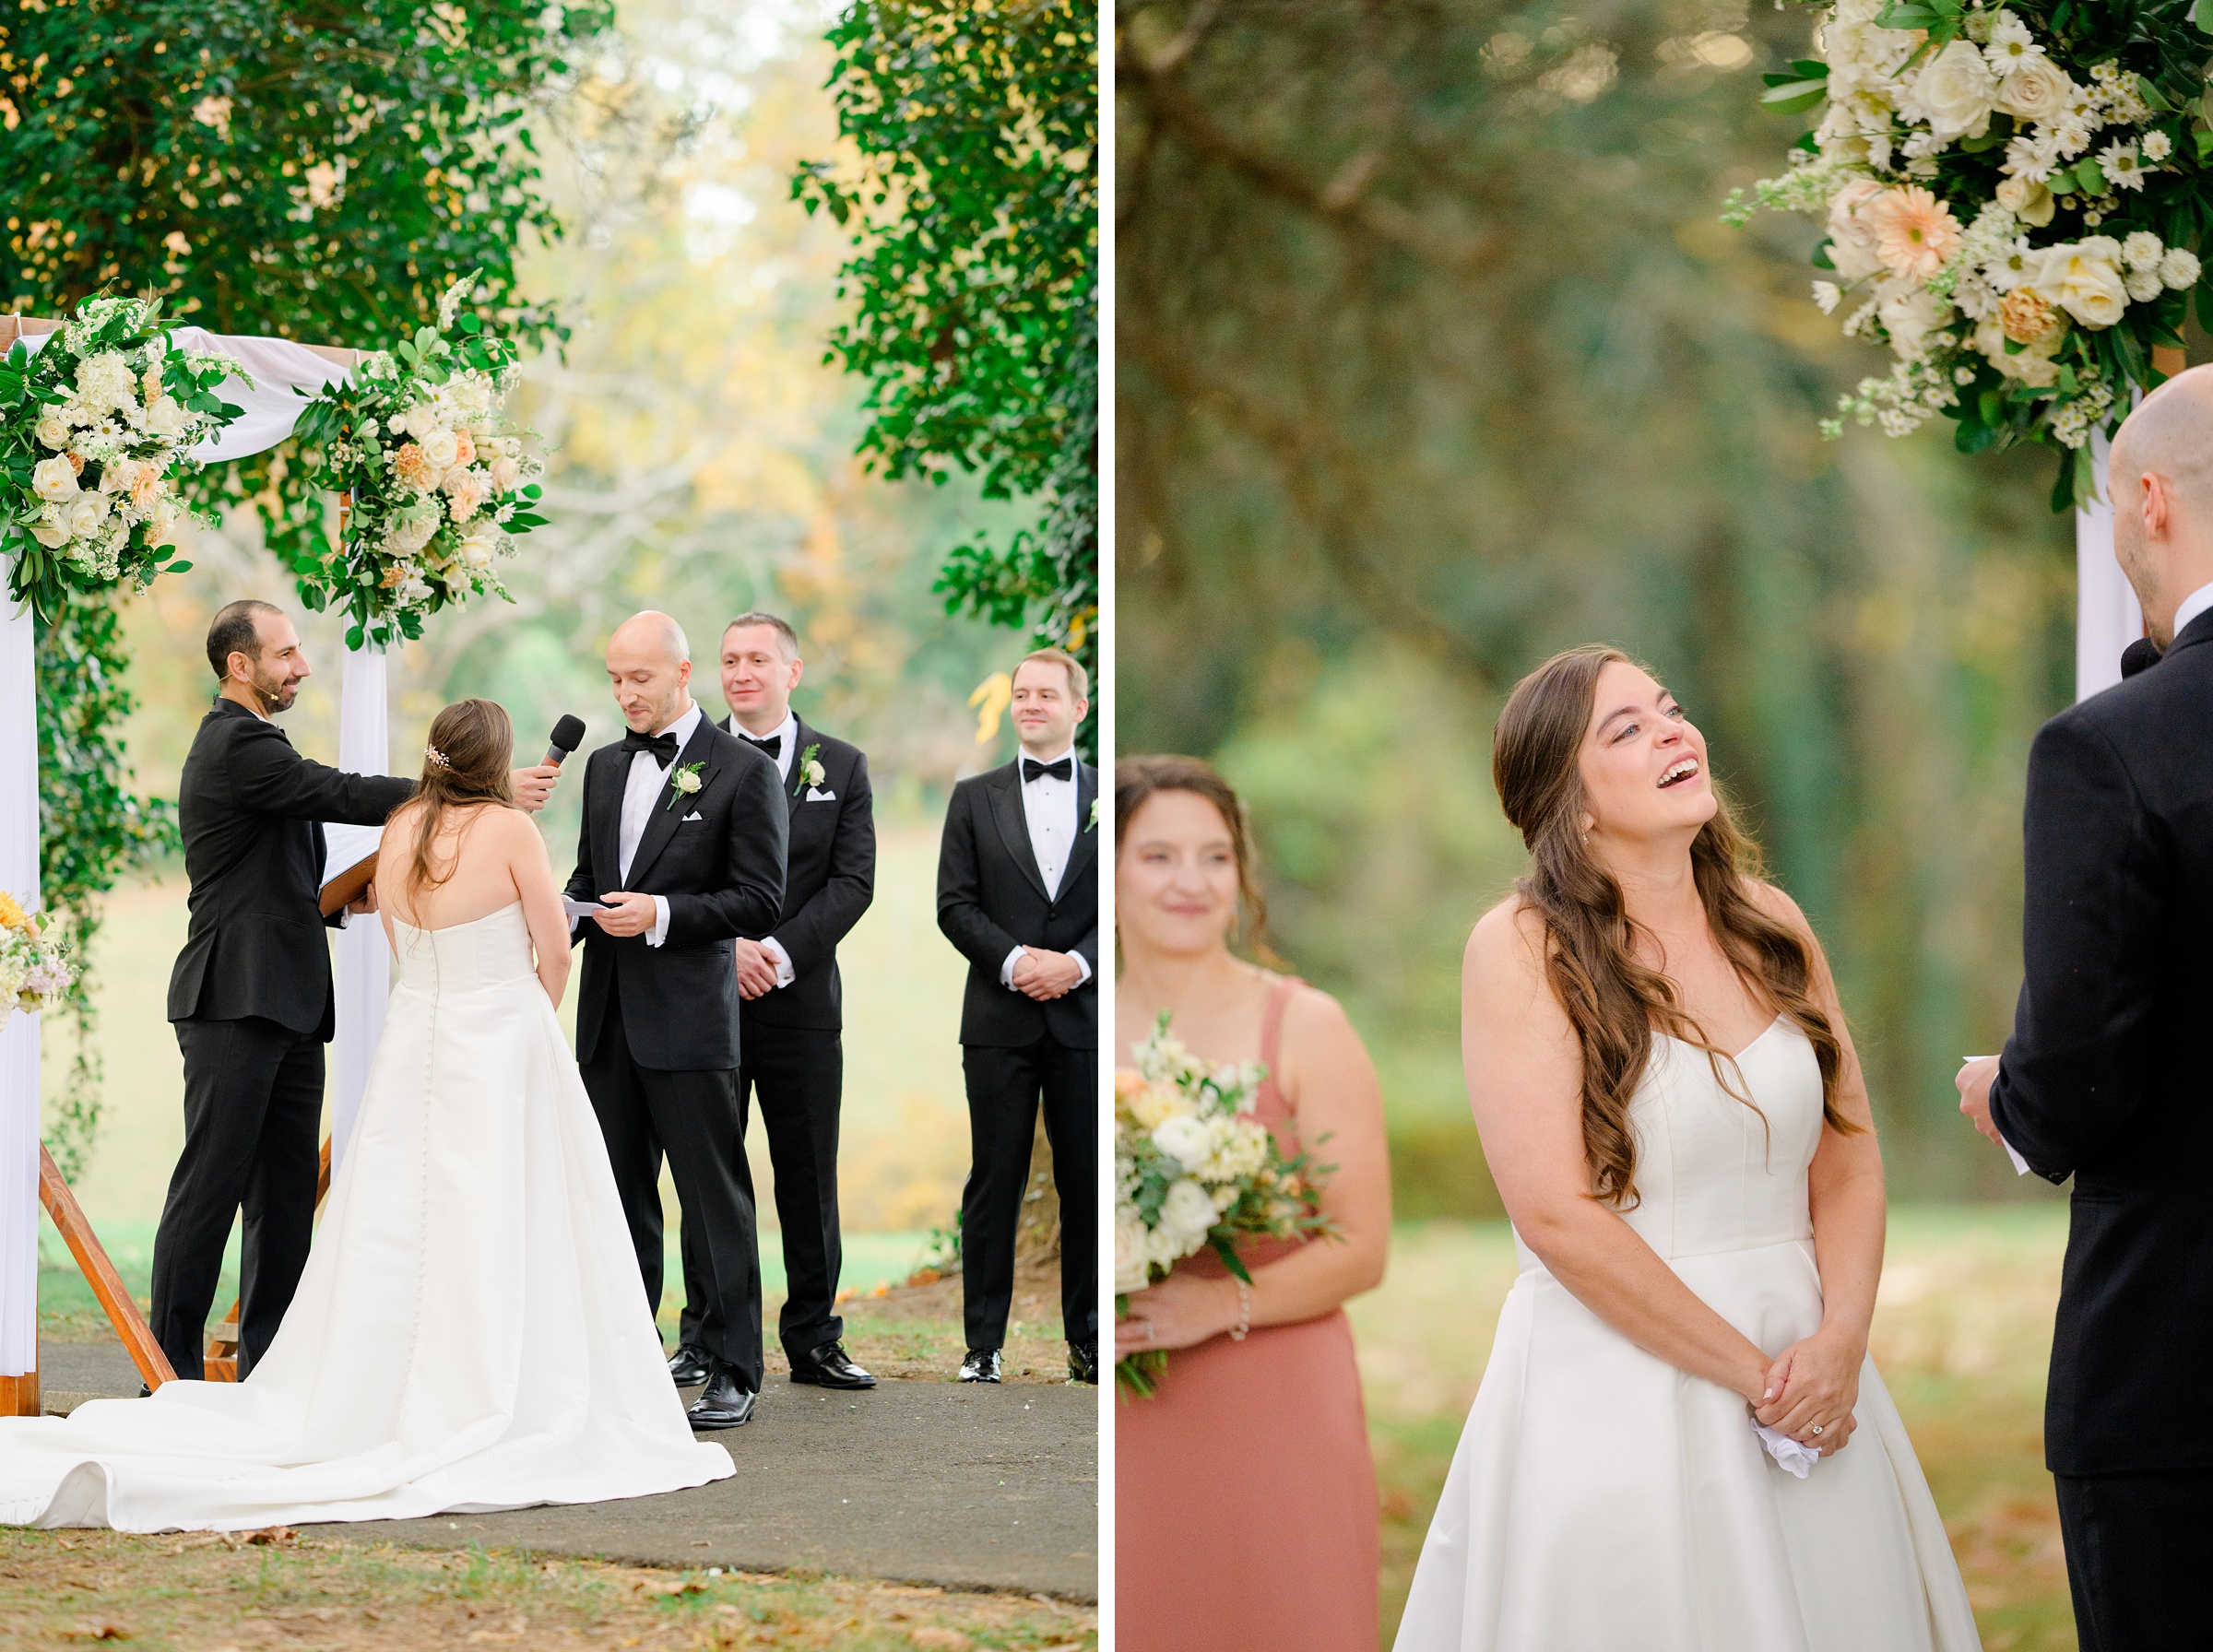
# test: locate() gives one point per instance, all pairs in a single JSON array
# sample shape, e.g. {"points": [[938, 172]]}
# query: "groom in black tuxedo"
{"points": [[1018, 893], [250, 995], [684, 832], [2106, 1078], [789, 1013]]}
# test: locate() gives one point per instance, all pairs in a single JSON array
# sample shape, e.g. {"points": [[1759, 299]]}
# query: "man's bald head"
{"points": [[2162, 483], [649, 664]]}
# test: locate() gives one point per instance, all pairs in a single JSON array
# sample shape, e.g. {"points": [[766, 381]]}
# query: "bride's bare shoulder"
{"points": [[1503, 967]]}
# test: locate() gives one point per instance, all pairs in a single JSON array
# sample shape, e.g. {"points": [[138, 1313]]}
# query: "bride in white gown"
{"points": [[1701, 1234], [470, 1333]]}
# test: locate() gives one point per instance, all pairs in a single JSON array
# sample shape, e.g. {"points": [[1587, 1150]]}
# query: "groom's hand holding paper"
{"points": [[1977, 1073], [624, 914]]}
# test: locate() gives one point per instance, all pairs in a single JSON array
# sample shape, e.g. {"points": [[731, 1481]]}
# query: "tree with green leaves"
{"points": [[313, 173], [973, 200]]}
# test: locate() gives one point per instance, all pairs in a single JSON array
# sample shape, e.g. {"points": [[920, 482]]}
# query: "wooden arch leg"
{"points": [[123, 1313]]}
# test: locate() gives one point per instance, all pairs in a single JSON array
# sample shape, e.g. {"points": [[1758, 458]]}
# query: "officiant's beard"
{"points": [[275, 693]]}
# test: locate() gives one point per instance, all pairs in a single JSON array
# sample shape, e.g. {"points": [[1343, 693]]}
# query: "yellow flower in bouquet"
{"points": [[12, 915]]}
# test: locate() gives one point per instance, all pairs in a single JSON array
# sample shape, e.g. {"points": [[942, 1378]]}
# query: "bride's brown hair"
{"points": [[1613, 1000], [470, 749]]}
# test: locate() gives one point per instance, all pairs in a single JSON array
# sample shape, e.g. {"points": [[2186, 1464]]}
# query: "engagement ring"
{"points": [[1816, 1428]]}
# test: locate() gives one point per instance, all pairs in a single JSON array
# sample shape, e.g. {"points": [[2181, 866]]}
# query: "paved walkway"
{"points": [[931, 1482]]}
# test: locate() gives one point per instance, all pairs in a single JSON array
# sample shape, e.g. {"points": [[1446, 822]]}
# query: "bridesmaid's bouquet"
{"points": [[34, 968], [1194, 1168]]}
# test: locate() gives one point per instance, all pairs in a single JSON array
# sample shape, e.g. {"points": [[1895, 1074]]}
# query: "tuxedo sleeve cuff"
{"points": [[785, 974], [1083, 968], [659, 932], [1006, 970]]}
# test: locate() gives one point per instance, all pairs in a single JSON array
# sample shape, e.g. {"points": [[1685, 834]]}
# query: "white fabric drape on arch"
{"points": [[2107, 616], [281, 370]]}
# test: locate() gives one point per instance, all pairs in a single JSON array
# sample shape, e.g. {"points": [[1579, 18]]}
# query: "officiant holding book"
{"points": [[251, 993]]}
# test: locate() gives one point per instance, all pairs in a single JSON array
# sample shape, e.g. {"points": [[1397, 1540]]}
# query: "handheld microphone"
{"points": [[568, 734]]}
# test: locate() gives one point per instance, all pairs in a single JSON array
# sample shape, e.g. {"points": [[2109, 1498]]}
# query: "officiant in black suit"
{"points": [[1018, 893], [2106, 1077], [789, 1012], [251, 993], [684, 832]]}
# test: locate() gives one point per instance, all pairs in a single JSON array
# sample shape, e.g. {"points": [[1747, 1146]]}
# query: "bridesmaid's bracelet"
{"points": [[1244, 1324]]}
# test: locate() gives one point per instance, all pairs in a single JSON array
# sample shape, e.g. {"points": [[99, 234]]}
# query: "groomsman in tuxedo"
{"points": [[683, 838], [2105, 1078], [1018, 894], [251, 993], [792, 1054]]}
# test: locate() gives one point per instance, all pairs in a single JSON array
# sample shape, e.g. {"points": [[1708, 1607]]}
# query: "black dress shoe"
{"points": [[1084, 1362], [982, 1366], [830, 1366], [724, 1404], [689, 1366]]}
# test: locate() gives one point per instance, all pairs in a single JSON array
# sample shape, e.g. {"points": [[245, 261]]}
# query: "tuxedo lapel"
{"points": [[796, 788], [607, 819], [667, 814], [1087, 837], [1014, 827]]}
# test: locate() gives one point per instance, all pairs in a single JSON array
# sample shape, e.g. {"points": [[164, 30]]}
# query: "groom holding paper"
{"points": [[2106, 1078]]}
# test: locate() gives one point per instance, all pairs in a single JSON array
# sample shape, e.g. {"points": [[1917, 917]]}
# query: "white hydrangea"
{"points": [[2143, 285], [2143, 250], [2178, 268]]}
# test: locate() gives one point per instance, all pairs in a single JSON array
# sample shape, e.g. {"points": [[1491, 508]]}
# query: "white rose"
{"points": [[1130, 1270], [1852, 242], [51, 534], [419, 421], [55, 478], [1956, 91], [1186, 1139], [52, 430], [506, 474], [476, 551], [2086, 286], [441, 447], [165, 417], [1908, 317], [86, 512], [2027, 200], [118, 475], [2178, 268], [1187, 1213], [2035, 90]]}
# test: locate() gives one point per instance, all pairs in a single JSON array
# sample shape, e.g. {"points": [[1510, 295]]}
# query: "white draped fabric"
{"points": [[364, 960], [2106, 618], [281, 370]]}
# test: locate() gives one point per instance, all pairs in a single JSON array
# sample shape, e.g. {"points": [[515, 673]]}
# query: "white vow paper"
{"points": [[582, 909], [345, 847]]}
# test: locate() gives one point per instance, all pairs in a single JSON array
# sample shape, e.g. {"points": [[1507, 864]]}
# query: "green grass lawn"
{"points": [[1962, 1331]]}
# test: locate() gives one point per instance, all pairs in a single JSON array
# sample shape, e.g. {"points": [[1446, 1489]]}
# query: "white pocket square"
{"points": [[694, 815], [814, 796]]}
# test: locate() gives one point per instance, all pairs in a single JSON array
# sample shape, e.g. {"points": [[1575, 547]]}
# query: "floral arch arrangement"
{"points": [[2017, 199]]}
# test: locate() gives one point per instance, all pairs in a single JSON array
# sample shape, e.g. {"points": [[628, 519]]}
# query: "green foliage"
{"points": [[92, 826], [973, 207]]}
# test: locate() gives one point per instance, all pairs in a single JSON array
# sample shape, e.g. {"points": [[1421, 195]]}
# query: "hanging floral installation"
{"points": [[2016, 197]]}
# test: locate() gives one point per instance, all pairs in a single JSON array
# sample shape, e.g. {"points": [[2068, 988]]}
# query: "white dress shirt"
{"points": [[2197, 603], [1049, 809], [642, 790], [786, 754]]}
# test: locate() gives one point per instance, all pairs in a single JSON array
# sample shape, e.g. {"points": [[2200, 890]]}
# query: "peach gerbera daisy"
{"points": [[1914, 232]]}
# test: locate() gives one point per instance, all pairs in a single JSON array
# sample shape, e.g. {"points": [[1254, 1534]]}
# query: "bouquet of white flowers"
{"points": [[2016, 195], [34, 970], [1193, 1168], [438, 476], [96, 431]]}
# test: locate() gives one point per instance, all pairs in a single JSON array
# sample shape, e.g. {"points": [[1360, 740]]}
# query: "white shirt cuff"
{"points": [[659, 932], [1006, 970], [785, 974], [1083, 968]]}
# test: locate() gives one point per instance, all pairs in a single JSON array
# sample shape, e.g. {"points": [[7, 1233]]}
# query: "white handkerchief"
{"points": [[1788, 1454], [694, 815], [816, 797], [582, 909]]}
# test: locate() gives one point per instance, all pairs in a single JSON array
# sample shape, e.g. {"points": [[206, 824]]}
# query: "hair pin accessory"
{"points": [[437, 758]]}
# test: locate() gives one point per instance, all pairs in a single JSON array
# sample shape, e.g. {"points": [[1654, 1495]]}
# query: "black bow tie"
{"points": [[662, 747], [774, 744], [1032, 769], [2139, 655]]}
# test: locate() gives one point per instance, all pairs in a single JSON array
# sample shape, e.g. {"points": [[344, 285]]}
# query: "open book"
{"points": [[349, 863]]}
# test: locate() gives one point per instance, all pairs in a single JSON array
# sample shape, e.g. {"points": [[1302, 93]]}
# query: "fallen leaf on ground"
{"points": [[271, 1535], [101, 1630], [948, 1640]]}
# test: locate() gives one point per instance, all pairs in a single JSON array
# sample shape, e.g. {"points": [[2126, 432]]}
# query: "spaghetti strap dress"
{"points": [[1246, 1513]]}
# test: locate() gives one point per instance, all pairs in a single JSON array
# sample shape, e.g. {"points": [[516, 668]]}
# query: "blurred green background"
{"points": [[1434, 358], [701, 461]]}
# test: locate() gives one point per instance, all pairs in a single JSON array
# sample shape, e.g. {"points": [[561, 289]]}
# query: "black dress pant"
{"points": [[253, 1114], [799, 1073], [692, 1116], [1005, 1087], [2138, 1550]]}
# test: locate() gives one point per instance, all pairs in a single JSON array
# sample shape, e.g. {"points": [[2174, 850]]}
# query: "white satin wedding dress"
{"points": [[1601, 1499], [470, 1332]]}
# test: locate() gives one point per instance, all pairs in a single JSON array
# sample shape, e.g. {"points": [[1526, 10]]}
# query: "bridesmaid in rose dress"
{"points": [[1245, 1512]]}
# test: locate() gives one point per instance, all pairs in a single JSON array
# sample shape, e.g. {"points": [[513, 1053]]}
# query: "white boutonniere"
{"points": [[810, 771], [684, 783], [1095, 815]]}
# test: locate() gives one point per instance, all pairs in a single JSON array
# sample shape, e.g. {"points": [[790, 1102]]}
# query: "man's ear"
{"points": [[2157, 505]]}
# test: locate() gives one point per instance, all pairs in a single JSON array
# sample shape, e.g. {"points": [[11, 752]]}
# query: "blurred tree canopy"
{"points": [[1434, 358], [971, 190]]}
